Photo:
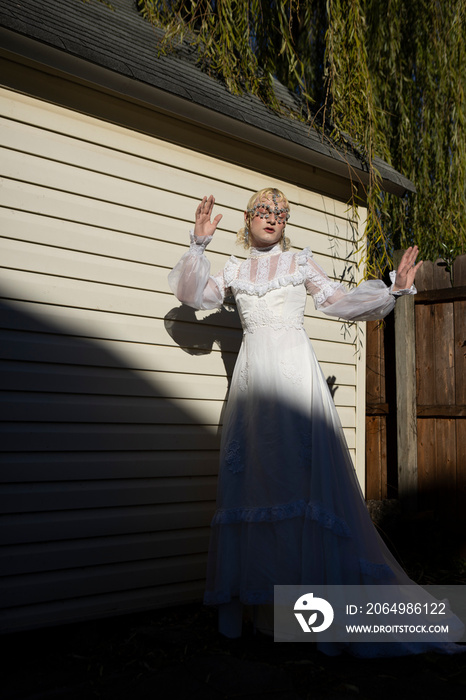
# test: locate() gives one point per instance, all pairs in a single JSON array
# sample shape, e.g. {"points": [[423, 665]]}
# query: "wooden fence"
{"points": [[439, 464]]}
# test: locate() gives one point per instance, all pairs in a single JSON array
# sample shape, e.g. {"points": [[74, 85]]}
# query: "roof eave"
{"points": [[75, 68]]}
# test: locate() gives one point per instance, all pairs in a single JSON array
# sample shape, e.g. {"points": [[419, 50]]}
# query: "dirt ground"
{"points": [[178, 653]]}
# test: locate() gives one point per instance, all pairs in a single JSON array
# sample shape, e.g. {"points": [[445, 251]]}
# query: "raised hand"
{"points": [[203, 225], [407, 269]]}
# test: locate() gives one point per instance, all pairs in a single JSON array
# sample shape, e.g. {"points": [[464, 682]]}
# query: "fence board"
{"points": [[425, 368], [376, 479], [426, 460], [376, 448], [445, 466], [460, 351], [444, 338]]}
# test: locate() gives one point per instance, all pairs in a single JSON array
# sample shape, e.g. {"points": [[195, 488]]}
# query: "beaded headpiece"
{"points": [[282, 214]]}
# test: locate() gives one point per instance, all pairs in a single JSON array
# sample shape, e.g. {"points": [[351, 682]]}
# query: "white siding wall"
{"points": [[110, 428]]}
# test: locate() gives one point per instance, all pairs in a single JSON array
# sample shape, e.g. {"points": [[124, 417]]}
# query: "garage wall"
{"points": [[112, 394]]}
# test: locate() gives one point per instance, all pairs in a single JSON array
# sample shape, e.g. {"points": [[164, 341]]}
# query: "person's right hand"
{"points": [[203, 225]]}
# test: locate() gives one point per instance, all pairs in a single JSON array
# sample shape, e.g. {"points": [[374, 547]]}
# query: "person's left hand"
{"points": [[407, 269]]}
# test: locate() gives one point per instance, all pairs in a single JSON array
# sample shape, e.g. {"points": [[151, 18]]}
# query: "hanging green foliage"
{"points": [[388, 74], [353, 109], [417, 65]]}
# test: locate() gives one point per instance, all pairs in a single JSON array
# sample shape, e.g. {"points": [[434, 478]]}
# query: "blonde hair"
{"points": [[262, 196]]}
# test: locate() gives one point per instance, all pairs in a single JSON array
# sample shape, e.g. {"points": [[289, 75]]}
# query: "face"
{"points": [[267, 222]]}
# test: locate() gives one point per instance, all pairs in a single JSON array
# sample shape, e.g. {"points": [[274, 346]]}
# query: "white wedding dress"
{"points": [[289, 506]]}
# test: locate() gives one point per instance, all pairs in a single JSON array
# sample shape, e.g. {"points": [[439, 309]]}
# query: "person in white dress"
{"points": [[289, 506]]}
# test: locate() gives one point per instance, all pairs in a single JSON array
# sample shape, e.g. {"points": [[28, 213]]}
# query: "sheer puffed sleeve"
{"points": [[191, 281], [369, 301]]}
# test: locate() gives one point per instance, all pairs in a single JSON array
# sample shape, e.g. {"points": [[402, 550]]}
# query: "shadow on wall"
{"points": [[222, 327], [108, 482]]}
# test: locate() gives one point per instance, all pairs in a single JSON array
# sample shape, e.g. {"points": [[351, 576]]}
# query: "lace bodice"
{"points": [[271, 269], [280, 311]]}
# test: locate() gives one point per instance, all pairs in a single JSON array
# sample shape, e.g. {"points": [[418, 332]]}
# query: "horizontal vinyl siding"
{"points": [[111, 395]]}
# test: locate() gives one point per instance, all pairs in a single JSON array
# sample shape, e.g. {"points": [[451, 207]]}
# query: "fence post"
{"points": [[406, 409]]}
